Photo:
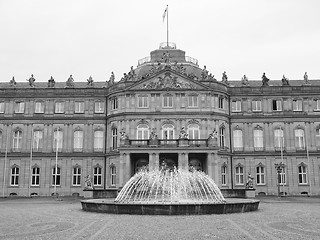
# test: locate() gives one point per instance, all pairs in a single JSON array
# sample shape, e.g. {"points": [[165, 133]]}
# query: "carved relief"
{"points": [[168, 81]]}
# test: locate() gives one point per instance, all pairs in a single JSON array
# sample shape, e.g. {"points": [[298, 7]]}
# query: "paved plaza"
{"points": [[46, 218]]}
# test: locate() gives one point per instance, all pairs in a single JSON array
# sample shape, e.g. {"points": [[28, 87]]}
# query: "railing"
{"points": [[168, 142], [192, 60], [167, 45], [144, 60]]}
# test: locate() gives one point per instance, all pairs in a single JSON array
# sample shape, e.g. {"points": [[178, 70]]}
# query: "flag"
{"points": [[165, 13]]}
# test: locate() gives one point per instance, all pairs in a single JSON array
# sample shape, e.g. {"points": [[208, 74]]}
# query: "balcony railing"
{"points": [[167, 143]]}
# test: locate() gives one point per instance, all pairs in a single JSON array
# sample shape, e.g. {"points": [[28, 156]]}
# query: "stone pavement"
{"points": [[46, 218]]}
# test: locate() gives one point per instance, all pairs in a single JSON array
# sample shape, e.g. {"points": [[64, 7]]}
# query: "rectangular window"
{"points": [[167, 101], [302, 170], [258, 139], [17, 140], [193, 101], [278, 139], [78, 107], [114, 133], [220, 104], [78, 141], [261, 175], [57, 140], [56, 174], [113, 176], [236, 106], [317, 105], [1, 107], [76, 176], [237, 140], [37, 140], [97, 176], [276, 105], [297, 105], [223, 175], [98, 141], [143, 101], [19, 107], [256, 106], [14, 176], [35, 177], [239, 176], [39, 107], [299, 137], [99, 107], [222, 137], [59, 107], [114, 103], [318, 137]]}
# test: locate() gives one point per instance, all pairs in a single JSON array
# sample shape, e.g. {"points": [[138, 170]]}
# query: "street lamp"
{"points": [[279, 167]]}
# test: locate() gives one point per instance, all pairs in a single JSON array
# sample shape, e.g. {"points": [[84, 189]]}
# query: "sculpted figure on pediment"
{"points": [[167, 81]]}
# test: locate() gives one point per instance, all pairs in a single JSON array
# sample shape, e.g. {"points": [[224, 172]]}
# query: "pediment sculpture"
{"points": [[167, 81]]}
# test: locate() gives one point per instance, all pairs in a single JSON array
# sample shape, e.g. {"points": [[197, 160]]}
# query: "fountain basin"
{"points": [[231, 205]]}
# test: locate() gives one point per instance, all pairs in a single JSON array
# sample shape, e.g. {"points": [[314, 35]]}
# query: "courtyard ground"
{"points": [[47, 218]]}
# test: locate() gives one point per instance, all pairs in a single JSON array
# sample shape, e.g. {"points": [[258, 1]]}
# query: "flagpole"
{"points": [[167, 26]]}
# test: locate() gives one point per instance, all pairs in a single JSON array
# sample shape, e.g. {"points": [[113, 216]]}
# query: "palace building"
{"points": [[166, 111]]}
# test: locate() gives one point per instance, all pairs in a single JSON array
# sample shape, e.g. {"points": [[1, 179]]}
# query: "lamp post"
{"points": [[279, 167]]}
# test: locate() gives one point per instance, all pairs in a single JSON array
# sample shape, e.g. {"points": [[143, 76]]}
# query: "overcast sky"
{"points": [[83, 38]]}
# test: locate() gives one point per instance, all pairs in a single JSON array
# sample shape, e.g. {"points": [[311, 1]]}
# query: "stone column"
{"points": [[127, 163], [153, 161], [121, 169], [183, 161], [210, 164], [215, 167]]}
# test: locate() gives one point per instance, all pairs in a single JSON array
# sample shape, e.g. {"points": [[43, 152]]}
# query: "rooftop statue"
{"points": [[305, 78], [224, 77], [90, 82], [244, 80], [51, 82], [13, 82], [70, 82], [31, 81], [285, 81], [265, 80], [131, 74], [166, 57], [111, 79], [204, 73]]}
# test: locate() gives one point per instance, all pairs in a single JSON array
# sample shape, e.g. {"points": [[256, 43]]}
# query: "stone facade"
{"points": [[107, 131]]}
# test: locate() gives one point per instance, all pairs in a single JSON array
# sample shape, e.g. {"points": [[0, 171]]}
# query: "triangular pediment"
{"points": [[167, 80]]}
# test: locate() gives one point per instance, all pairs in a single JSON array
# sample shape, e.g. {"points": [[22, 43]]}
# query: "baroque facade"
{"points": [[167, 111]]}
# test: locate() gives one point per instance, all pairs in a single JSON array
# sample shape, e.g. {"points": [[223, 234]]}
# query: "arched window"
{"points": [[17, 140], [113, 175], [239, 175], [76, 176], [97, 176], [278, 138], [222, 137], [258, 139], [167, 131], [237, 139], [193, 131], [78, 140], [15, 171], [318, 137], [143, 133], [224, 174], [56, 176], [37, 140], [299, 138], [57, 140], [260, 170], [98, 141], [35, 176], [114, 137], [302, 171]]}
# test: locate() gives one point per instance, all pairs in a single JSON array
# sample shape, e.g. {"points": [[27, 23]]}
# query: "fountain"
{"points": [[170, 192]]}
